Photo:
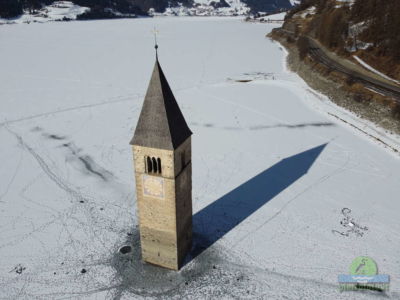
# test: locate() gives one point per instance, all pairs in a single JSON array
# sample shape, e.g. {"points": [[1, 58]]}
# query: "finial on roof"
{"points": [[155, 31]]}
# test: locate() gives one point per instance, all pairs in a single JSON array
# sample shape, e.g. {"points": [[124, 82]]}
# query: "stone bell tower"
{"points": [[163, 173]]}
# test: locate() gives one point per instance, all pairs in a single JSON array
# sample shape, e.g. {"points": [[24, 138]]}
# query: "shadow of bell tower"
{"points": [[218, 218]]}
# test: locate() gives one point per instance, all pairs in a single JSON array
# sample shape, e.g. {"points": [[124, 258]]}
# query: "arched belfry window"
{"points": [[159, 165], [149, 165], [153, 165], [155, 168]]}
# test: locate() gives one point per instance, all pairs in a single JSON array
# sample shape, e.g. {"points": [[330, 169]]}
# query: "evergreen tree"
{"points": [[10, 8]]}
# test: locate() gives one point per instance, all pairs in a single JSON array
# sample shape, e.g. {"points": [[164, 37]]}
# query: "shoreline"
{"points": [[365, 120]]}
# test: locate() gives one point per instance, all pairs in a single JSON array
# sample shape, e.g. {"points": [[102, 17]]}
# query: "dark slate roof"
{"points": [[161, 123]]}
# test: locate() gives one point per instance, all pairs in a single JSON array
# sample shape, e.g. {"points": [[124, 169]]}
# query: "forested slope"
{"points": [[369, 29], [101, 8]]}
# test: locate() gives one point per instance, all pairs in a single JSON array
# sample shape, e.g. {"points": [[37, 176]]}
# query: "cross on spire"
{"points": [[155, 31]]}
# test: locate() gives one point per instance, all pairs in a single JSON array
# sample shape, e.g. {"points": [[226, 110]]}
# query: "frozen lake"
{"points": [[273, 173]]}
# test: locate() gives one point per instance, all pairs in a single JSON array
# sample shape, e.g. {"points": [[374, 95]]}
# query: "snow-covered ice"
{"points": [[273, 169]]}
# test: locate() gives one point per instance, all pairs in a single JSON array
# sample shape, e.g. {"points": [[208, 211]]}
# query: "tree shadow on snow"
{"points": [[218, 218]]}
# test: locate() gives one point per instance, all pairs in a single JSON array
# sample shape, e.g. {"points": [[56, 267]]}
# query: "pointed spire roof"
{"points": [[161, 123]]}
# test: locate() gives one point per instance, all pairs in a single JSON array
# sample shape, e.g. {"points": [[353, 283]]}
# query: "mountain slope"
{"points": [[268, 5], [361, 28], [122, 8]]}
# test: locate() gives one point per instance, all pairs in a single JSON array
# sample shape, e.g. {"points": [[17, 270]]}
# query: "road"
{"points": [[369, 81], [318, 54]]}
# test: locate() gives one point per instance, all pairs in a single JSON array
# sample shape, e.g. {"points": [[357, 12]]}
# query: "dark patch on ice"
{"points": [[83, 271], [54, 136], [36, 129], [18, 269], [136, 278], [87, 162], [89, 165], [262, 127], [125, 249], [294, 126], [351, 227], [233, 128], [265, 74], [250, 76], [50, 136], [72, 147]]}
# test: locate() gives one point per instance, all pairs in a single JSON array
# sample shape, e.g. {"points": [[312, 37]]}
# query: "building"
{"points": [[163, 173]]}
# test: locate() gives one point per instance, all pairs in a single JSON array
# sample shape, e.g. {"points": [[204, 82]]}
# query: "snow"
{"points": [[345, 2], [204, 8], [67, 9], [274, 157], [309, 11], [354, 31], [54, 12], [278, 17], [368, 67], [275, 18]]}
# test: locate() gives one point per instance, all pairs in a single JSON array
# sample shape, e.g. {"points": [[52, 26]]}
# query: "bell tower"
{"points": [[163, 172]]}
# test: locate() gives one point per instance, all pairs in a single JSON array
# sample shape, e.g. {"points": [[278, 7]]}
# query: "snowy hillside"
{"points": [[358, 28], [276, 172], [41, 11], [59, 10], [229, 7], [211, 8]]}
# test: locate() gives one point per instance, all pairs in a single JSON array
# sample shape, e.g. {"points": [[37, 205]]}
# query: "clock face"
{"points": [[153, 186]]}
